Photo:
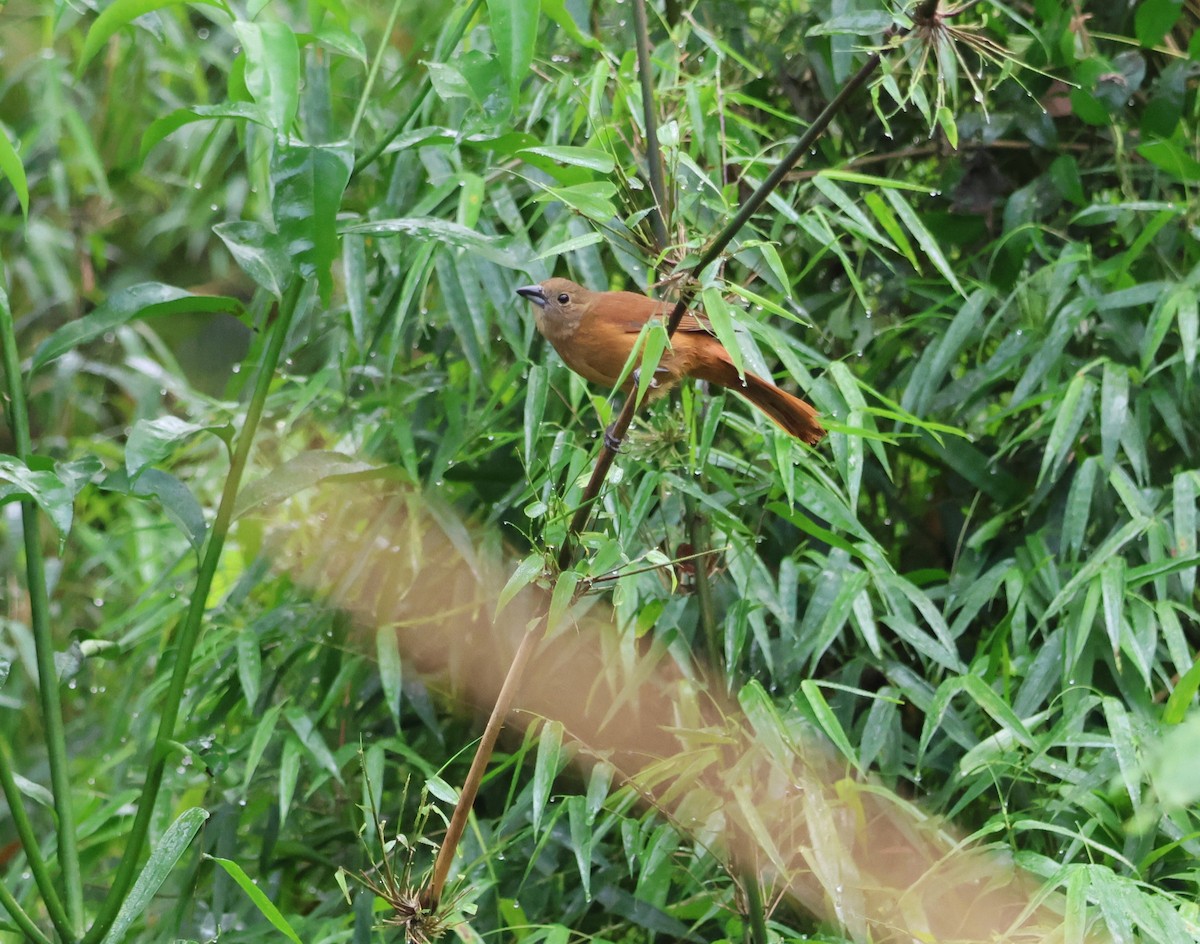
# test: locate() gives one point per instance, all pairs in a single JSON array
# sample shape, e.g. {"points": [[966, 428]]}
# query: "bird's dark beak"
{"points": [[534, 293]]}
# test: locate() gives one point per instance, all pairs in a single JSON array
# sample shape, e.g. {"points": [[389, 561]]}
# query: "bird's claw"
{"points": [[612, 442], [637, 377]]}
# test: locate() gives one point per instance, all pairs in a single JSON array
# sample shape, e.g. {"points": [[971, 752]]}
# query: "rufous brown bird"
{"points": [[594, 333]]}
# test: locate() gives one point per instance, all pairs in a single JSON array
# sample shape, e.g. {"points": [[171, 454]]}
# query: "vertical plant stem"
{"points": [[418, 98], [39, 614], [33, 854], [756, 930], [189, 630], [385, 39], [432, 893], [20, 918], [658, 186], [698, 537]]}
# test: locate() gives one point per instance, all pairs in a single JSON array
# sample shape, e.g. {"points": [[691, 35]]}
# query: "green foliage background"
{"points": [[982, 586]]}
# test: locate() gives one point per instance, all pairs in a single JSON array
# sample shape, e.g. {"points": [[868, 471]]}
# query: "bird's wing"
{"points": [[691, 322], [695, 323]]}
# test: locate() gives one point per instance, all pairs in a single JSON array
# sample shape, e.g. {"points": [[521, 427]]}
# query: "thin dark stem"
{"points": [[39, 617], [698, 537], [189, 631], [432, 894], [419, 97], [926, 10], [710, 255], [658, 186]]}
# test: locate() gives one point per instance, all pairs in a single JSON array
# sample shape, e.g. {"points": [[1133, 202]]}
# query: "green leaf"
{"points": [[145, 300], [440, 790], [718, 314], [1175, 771], [593, 200], [304, 471], [924, 238], [166, 853], [264, 904], [1120, 730], [1079, 503], [260, 253], [121, 13], [599, 784], [546, 768], [1112, 589], [178, 503], [1000, 710], [890, 225], [12, 168], [1183, 500], [1180, 702], [18, 481], [289, 774], [828, 720], [309, 180], [557, 11], [582, 836], [249, 666], [342, 41], [448, 82], [537, 388], [590, 158], [311, 740], [527, 571], [654, 343], [263, 731], [272, 70], [161, 128], [1114, 410], [561, 599], [945, 120], [391, 675], [493, 248], [514, 25], [1172, 158], [862, 24], [151, 441], [1154, 19], [1072, 411]]}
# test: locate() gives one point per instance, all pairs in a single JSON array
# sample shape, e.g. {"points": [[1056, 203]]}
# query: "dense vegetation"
{"points": [[260, 264]]}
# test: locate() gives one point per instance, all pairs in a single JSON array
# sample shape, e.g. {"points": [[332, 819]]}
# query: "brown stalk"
{"points": [[431, 894]]}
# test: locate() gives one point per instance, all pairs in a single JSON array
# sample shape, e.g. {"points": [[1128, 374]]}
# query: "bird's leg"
{"points": [[611, 440], [637, 377]]}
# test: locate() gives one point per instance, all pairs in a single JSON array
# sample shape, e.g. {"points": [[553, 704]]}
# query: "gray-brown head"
{"points": [[560, 303]]}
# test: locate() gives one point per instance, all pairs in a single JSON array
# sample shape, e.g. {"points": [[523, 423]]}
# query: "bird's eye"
{"points": [[563, 298]]}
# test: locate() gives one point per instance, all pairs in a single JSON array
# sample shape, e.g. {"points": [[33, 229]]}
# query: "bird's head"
{"points": [[561, 302]]}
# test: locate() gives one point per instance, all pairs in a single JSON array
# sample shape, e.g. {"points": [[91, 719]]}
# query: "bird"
{"points": [[594, 333]]}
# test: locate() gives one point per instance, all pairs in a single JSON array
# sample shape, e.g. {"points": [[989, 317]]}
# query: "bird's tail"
{"points": [[789, 413]]}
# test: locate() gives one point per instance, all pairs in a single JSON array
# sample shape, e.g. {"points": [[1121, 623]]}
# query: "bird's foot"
{"points": [[637, 377], [612, 442]]}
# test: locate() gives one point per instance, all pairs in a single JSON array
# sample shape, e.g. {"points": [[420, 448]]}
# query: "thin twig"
{"points": [[658, 186], [698, 537], [432, 894], [418, 99]]}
